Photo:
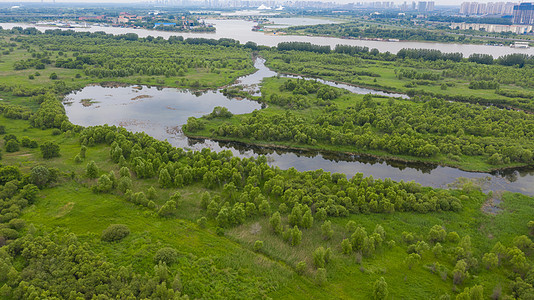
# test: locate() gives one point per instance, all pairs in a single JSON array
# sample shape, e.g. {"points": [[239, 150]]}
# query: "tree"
{"points": [[264, 208], [166, 255], [412, 259], [380, 290], [530, 226], [301, 267], [319, 257], [490, 260], [168, 209], [326, 230], [346, 246], [276, 223], [307, 219], [258, 245], [115, 232], [91, 170], [358, 239], [49, 149], [460, 272], [124, 184], [104, 184], [40, 176], [437, 234], [151, 193], [12, 146], [205, 200], [296, 236], [164, 179]]}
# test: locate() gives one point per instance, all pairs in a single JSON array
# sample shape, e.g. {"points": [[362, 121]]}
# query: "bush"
{"points": [[91, 170], [380, 289], [53, 76], [12, 146], [40, 176], [258, 245], [115, 232], [50, 149], [167, 255], [301, 267], [56, 131]]}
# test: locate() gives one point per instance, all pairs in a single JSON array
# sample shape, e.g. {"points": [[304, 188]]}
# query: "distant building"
{"points": [[425, 6], [524, 14], [490, 8], [518, 29]]}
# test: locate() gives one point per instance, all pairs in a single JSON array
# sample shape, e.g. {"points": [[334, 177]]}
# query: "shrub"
{"points": [[258, 245], [12, 146], [167, 255], [91, 170], [301, 267], [380, 289], [50, 149], [202, 222], [115, 232]]}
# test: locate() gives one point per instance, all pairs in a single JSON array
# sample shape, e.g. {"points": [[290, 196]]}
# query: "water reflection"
{"points": [[160, 112]]}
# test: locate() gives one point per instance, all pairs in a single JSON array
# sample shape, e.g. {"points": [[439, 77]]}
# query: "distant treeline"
{"points": [[515, 59], [424, 54]]}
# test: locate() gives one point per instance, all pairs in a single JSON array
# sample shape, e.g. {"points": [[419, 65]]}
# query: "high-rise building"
{"points": [[490, 8], [524, 13]]}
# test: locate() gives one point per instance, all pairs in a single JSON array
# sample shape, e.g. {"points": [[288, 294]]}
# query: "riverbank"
{"points": [[378, 155]]}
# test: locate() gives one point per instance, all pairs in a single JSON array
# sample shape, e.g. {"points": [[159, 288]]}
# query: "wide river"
{"points": [[241, 30], [161, 112]]}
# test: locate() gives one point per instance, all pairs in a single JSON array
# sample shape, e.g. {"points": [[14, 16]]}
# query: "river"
{"points": [[241, 30], [160, 112]]}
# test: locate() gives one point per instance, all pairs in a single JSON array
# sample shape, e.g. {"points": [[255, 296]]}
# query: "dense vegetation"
{"points": [[415, 72], [100, 212]]}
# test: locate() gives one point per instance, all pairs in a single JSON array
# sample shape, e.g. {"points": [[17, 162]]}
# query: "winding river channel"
{"points": [[160, 112]]}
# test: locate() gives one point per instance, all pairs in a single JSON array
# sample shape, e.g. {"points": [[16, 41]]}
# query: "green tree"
{"points": [[104, 184], [346, 246], [326, 230], [12, 146], [437, 234], [380, 290], [168, 209], [91, 170], [49, 149], [307, 219], [115, 232], [412, 259], [258, 245], [319, 257], [490, 260], [276, 223], [164, 179], [166, 255], [40, 176]]}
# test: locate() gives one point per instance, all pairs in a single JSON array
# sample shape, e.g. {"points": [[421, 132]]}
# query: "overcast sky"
{"points": [[438, 2]]}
